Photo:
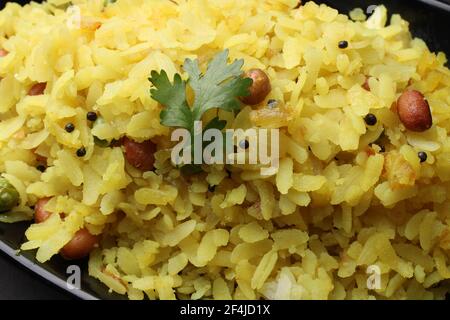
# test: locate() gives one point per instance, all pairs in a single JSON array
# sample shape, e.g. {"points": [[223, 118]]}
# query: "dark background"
{"points": [[16, 282]]}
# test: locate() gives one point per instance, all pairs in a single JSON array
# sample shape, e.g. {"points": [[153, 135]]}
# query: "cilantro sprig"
{"points": [[219, 87]]}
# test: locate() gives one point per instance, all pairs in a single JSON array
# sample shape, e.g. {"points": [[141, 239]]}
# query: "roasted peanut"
{"points": [[80, 246], [259, 89], [414, 111], [366, 85], [140, 154], [37, 89], [40, 214]]}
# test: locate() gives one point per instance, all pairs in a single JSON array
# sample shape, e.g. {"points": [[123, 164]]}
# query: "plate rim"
{"points": [[437, 4], [42, 273]]}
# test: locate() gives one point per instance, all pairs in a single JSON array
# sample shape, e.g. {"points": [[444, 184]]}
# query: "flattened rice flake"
{"points": [[345, 196]]}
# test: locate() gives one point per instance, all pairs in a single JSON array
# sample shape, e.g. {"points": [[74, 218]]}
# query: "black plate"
{"points": [[429, 20]]}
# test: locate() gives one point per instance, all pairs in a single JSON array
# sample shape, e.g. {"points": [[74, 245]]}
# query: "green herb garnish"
{"points": [[219, 87]]}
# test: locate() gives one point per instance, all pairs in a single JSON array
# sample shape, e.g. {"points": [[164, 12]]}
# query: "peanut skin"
{"points": [[259, 89], [80, 246], [82, 242], [414, 111], [40, 214], [140, 154], [366, 85], [37, 89]]}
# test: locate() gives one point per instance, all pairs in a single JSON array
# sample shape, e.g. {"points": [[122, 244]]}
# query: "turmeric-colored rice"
{"points": [[347, 196]]}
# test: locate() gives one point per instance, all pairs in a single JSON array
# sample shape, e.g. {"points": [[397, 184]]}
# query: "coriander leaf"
{"points": [[215, 123], [220, 86], [190, 169], [176, 112]]}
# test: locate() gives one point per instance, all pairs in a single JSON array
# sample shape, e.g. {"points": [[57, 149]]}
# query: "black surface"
{"points": [[427, 22], [55, 270], [17, 282]]}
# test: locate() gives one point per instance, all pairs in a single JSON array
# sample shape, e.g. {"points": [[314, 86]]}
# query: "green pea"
{"points": [[9, 197]]}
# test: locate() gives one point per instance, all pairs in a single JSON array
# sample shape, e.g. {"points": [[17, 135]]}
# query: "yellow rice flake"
{"points": [[301, 199], [264, 269], [357, 14], [33, 140], [253, 232], [135, 294], [389, 197], [234, 196], [244, 274], [52, 245], [372, 172], [180, 232], [270, 118], [246, 251], [201, 286], [287, 207], [296, 151], [284, 178], [70, 165], [112, 282], [211, 241], [110, 201], [42, 231], [162, 196], [412, 227], [414, 254], [215, 177], [289, 239], [441, 264], [92, 186], [267, 199], [394, 285], [10, 126], [334, 99], [145, 252], [114, 177], [220, 290], [307, 183], [399, 171], [419, 274], [127, 261], [145, 283], [431, 279], [177, 263], [429, 231]]}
